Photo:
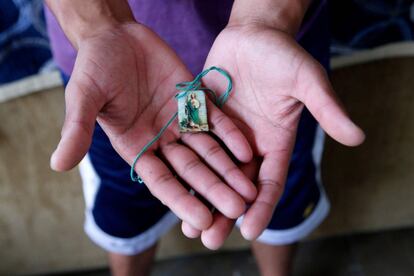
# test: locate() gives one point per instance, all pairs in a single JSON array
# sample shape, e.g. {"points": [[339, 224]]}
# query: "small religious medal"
{"points": [[192, 112]]}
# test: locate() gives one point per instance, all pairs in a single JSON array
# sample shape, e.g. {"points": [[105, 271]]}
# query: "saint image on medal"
{"points": [[192, 112]]}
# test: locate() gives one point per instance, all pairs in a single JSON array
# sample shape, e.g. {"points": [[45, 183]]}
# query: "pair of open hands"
{"points": [[125, 78]]}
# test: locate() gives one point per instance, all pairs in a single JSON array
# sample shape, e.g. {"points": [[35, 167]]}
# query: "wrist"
{"points": [[283, 15], [81, 19]]}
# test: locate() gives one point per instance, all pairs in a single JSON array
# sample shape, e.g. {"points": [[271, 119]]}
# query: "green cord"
{"points": [[184, 88]]}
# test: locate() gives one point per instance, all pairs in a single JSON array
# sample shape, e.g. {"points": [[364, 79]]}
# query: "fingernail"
{"points": [[53, 159], [359, 135], [247, 234]]}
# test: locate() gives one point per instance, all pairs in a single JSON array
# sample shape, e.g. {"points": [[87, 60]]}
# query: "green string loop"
{"points": [[184, 88]]}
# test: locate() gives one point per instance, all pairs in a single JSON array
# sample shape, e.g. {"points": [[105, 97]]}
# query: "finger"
{"points": [[270, 183], [81, 112], [164, 186], [222, 126], [320, 99], [251, 169], [189, 231], [212, 153], [190, 168], [220, 229], [213, 238]]}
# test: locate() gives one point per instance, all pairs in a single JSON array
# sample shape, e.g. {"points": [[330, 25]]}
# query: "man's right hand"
{"points": [[124, 78]]}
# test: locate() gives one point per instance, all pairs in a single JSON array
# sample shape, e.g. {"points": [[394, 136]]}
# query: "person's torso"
{"points": [[188, 26]]}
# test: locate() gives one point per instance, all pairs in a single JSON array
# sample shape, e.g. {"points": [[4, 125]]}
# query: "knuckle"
{"points": [[212, 151], [190, 166], [81, 124], [265, 204], [321, 111], [164, 179], [269, 183], [188, 136], [157, 187], [231, 131], [179, 198], [270, 188], [230, 171], [210, 188], [170, 147], [219, 120]]}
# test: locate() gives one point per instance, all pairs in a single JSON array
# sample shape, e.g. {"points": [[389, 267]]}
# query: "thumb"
{"points": [[81, 112], [321, 100]]}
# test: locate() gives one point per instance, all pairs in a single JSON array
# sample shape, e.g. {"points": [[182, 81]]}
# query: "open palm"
{"points": [[124, 78], [273, 79]]}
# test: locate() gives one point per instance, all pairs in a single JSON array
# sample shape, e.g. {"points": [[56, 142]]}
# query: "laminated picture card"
{"points": [[192, 112]]}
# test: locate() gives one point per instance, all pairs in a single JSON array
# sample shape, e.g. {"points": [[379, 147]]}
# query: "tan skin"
{"points": [[267, 108], [127, 87]]}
